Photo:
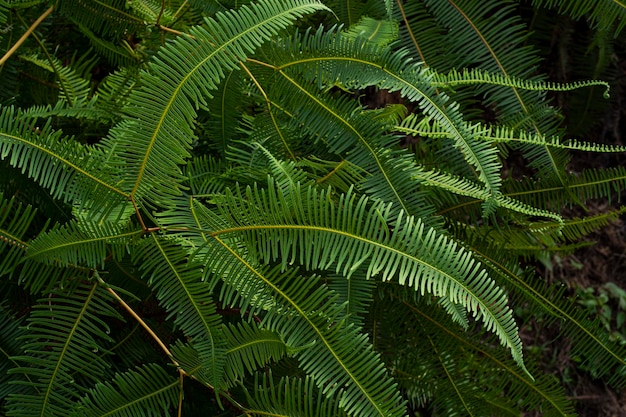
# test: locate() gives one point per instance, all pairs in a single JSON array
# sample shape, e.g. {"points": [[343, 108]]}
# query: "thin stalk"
{"points": [[26, 34]]}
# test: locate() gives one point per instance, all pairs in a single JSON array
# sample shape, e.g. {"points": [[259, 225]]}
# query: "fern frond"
{"points": [[184, 295], [148, 391], [377, 32], [15, 221], [82, 243], [64, 334], [105, 17], [328, 56], [10, 345], [118, 54], [403, 250], [461, 348], [478, 76], [156, 139], [604, 14], [250, 347], [290, 396], [68, 169]]}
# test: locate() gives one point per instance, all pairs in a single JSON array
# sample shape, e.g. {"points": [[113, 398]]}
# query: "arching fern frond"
{"points": [[82, 243], [328, 56], [156, 139], [68, 169], [303, 226]]}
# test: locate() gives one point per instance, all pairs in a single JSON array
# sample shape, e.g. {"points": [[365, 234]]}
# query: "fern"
{"points": [[298, 207]]}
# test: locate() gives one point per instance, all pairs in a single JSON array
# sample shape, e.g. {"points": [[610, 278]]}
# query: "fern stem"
{"points": [[158, 19], [26, 34], [135, 316], [52, 64], [269, 109]]}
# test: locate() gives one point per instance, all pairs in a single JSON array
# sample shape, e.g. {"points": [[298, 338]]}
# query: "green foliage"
{"points": [[200, 214]]}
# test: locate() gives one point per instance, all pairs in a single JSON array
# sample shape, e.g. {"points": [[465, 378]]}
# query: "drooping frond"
{"points": [[156, 139], [356, 65], [148, 390], [64, 335], [481, 77], [425, 127]]}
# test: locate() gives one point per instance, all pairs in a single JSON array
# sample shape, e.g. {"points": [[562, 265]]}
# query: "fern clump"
{"points": [[198, 215]]}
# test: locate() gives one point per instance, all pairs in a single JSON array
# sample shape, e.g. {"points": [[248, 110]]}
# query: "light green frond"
{"points": [[64, 334], [156, 138], [340, 175], [147, 391], [377, 32], [478, 76], [425, 127], [186, 297], [290, 397], [466, 188]]}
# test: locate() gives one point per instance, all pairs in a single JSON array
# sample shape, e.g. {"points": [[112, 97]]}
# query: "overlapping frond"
{"points": [[450, 378], [83, 243], [15, 220], [326, 56], [105, 17]]}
